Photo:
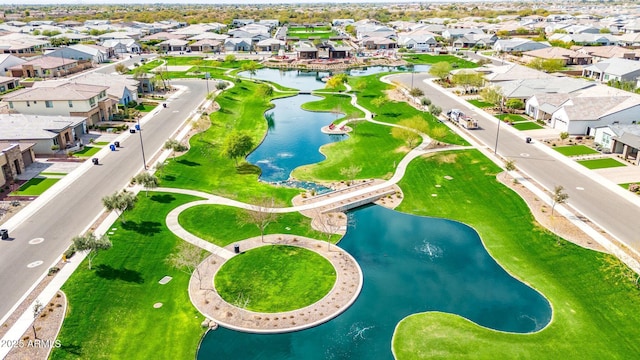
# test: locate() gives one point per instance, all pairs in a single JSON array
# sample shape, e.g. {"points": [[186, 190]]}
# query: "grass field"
{"points": [[111, 313], [256, 276], [573, 150], [511, 118], [339, 104], [100, 143], [432, 59], [87, 151], [45, 173], [230, 226], [481, 104], [527, 125], [586, 289], [145, 107], [323, 32], [35, 186], [601, 163]]}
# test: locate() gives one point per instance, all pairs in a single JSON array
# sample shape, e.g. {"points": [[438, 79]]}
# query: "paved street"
{"points": [[73, 208], [599, 200]]}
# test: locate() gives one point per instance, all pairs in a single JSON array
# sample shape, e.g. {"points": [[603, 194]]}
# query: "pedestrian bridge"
{"points": [[352, 197]]}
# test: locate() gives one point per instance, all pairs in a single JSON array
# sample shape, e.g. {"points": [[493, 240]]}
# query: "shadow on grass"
{"points": [[188, 163], [169, 178], [163, 199], [143, 228], [246, 168], [71, 349], [109, 273], [392, 114]]}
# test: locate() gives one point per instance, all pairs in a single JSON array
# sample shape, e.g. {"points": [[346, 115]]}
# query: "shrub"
{"points": [[425, 101], [69, 253], [221, 85], [53, 270], [635, 188]]}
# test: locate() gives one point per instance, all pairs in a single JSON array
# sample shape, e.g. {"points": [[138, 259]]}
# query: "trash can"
{"points": [[112, 147], [236, 249], [4, 234], [116, 143], [94, 161], [164, 105], [528, 139], [132, 131]]}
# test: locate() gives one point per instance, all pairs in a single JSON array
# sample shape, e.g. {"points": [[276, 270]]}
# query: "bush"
{"points": [[435, 110], [425, 101], [53, 270], [221, 85], [70, 252], [634, 188]]}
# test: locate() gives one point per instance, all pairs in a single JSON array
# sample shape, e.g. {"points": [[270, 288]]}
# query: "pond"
{"points": [[293, 139], [305, 80], [410, 264]]}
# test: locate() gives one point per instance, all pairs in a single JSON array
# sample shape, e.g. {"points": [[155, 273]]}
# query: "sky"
{"points": [[212, 2]]}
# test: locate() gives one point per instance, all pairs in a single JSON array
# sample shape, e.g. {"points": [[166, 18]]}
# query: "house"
{"points": [[342, 22], [71, 38], [8, 83], [69, 99], [305, 50], [339, 51], [173, 45], [613, 69], [14, 158], [122, 46], [198, 29], [270, 23], [241, 22], [17, 43], [568, 57], [583, 111], [518, 45], [585, 39], [48, 67], [206, 45], [453, 34], [378, 43], [46, 133], [525, 89], [620, 139], [511, 72], [629, 39], [632, 26], [600, 53], [270, 44], [8, 61], [162, 36], [475, 40], [121, 88], [80, 52], [238, 44], [422, 41]]}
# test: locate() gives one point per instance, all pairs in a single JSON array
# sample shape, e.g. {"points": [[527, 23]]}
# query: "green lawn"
{"points": [[323, 32], [145, 107], [455, 61], [111, 313], [339, 104], [147, 66], [527, 125], [100, 143], [601, 163], [230, 225], [573, 150], [626, 185], [258, 276], [35, 186], [511, 118], [87, 151], [204, 168], [481, 104], [44, 173], [591, 303]]}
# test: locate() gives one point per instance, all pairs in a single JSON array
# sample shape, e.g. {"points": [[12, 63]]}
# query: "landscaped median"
{"points": [[589, 293]]}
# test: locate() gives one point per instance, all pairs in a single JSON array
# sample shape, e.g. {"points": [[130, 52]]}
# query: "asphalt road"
{"points": [[597, 201], [75, 207]]}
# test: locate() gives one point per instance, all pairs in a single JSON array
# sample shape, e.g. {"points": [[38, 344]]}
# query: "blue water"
{"points": [[306, 81], [293, 139], [411, 264]]}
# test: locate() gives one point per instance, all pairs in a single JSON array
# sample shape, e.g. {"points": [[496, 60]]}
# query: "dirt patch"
{"points": [[556, 223]]}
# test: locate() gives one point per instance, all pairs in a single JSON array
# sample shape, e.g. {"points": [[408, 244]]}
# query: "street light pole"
{"points": [[495, 149], [144, 161]]}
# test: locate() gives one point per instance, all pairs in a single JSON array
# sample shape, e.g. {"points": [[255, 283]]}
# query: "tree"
{"points": [[237, 145], [379, 101], [119, 202], [262, 216], [175, 146], [547, 65], [408, 135], [350, 173], [91, 244], [514, 104], [440, 70], [121, 68], [564, 135], [559, 197], [492, 94], [230, 58], [250, 66], [467, 79], [147, 180], [37, 309], [435, 110], [187, 259], [336, 81]]}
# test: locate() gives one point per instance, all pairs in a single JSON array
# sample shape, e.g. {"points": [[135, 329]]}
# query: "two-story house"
{"points": [[71, 99]]}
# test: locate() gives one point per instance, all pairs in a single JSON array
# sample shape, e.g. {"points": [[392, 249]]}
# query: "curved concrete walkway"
{"points": [[345, 291]]}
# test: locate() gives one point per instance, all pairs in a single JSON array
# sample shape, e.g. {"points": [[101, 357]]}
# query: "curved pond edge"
{"points": [[312, 245]]}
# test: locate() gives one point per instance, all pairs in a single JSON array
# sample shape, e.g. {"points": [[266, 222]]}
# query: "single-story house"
{"points": [[47, 133], [600, 53], [80, 52], [585, 39], [613, 69], [270, 44], [48, 67], [568, 57], [8, 61], [8, 83], [511, 72], [305, 50], [378, 43], [475, 40], [420, 42], [620, 139], [120, 88], [206, 45], [518, 45], [238, 44], [122, 46], [173, 45], [526, 88]]}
